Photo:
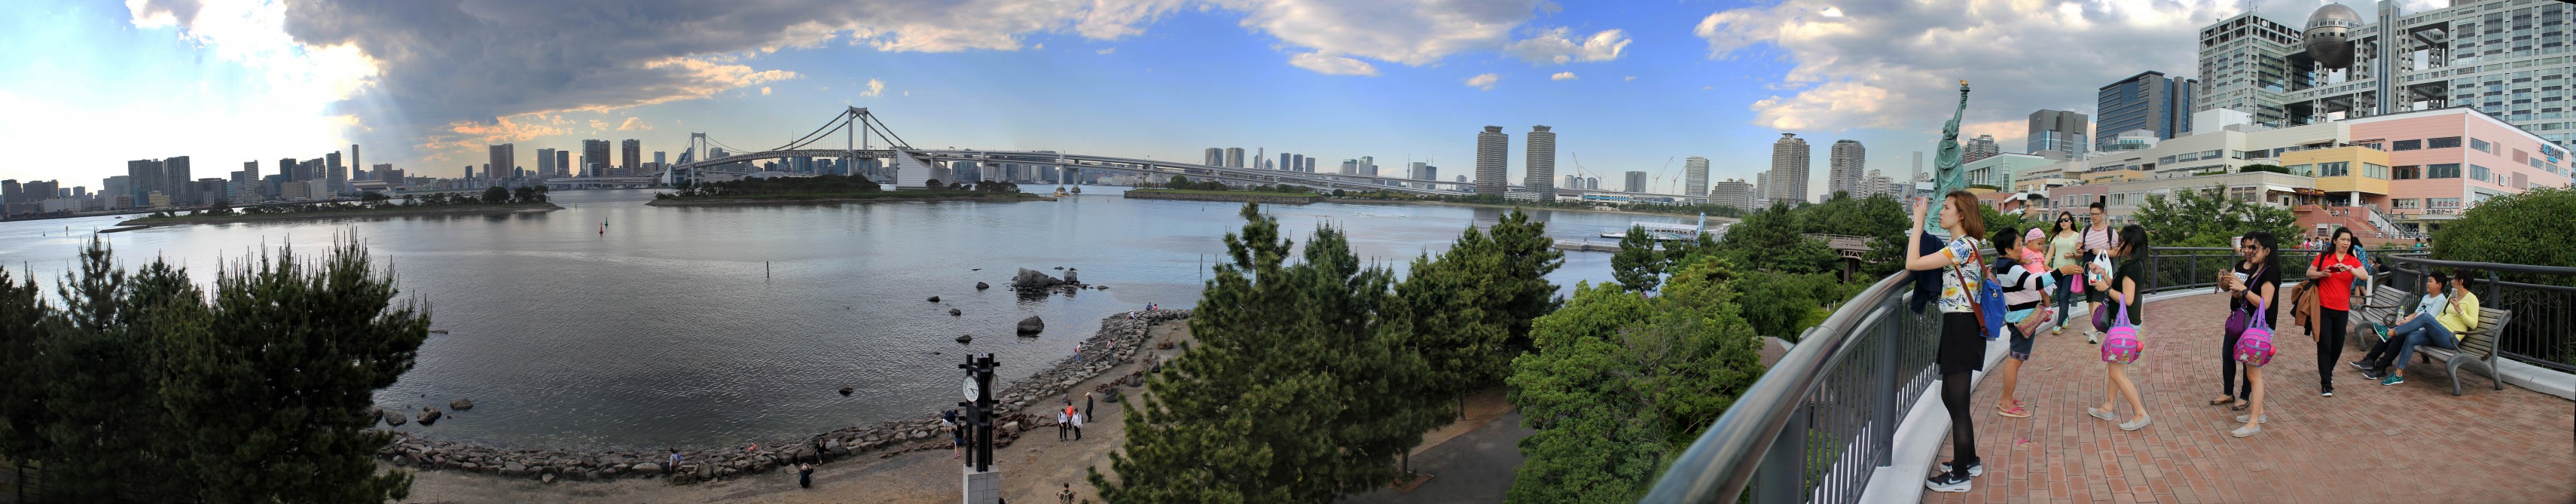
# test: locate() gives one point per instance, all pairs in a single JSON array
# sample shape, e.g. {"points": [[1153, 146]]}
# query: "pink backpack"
{"points": [[2120, 344], [2254, 348]]}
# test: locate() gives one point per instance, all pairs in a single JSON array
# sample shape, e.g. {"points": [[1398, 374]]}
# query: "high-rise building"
{"points": [[1844, 163], [2059, 134], [1592, 183], [546, 163], [333, 171], [2500, 58], [1761, 189], [249, 172], [660, 160], [1732, 192], [1234, 157], [1493, 158], [1789, 168], [387, 173], [177, 183], [1981, 147], [1215, 157], [1422, 170], [1636, 182], [354, 162], [1695, 176], [1539, 163], [563, 163], [1307, 164], [2149, 101], [633, 155], [594, 153], [1572, 182], [286, 167], [504, 156]]}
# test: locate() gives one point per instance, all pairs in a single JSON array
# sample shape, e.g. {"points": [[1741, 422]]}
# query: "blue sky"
{"points": [[424, 85]]}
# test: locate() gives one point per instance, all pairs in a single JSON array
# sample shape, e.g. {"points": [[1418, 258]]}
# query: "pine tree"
{"points": [[1469, 311], [1297, 392], [282, 372], [104, 426], [1637, 266], [1621, 382], [22, 392]]}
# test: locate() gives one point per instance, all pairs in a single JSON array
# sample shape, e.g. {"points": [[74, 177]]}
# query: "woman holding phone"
{"points": [[2333, 272]]}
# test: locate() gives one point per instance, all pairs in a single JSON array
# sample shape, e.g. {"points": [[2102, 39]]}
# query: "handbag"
{"points": [[1987, 302], [2236, 319], [2120, 343], [2254, 348]]}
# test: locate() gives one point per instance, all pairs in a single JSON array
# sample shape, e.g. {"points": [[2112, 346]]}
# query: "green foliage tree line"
{"points": [[144, 386], [1315, 373]]}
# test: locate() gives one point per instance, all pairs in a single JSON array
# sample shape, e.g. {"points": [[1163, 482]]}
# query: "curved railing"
{"points": [[1815, 426]]}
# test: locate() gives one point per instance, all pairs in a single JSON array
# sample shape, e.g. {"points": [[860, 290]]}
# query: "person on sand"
{"points": [[1086, 404], [805, 475], [1066, 496]]}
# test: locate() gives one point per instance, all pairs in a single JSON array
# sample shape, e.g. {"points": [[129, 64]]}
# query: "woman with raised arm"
{"points": [[1962, 348]]}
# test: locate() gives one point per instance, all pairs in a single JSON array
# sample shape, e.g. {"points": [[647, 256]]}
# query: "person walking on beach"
{"points": [[1066, 496], [2121, 286], [1961, 348], [1086, 404], [805, 475]]}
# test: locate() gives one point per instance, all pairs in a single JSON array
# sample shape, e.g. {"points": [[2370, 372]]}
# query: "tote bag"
{"points": [[2254, 348], [2120, 343]]}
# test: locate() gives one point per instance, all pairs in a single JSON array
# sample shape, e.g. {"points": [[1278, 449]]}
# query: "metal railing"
{"points": [[1814, 427], [2543, 332]]}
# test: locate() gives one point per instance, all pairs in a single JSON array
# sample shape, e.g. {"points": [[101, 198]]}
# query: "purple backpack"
{"points": [[2254, 348], [2120, 344]]}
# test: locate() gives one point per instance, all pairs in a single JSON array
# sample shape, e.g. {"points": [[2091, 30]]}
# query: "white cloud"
{"points": [[1107, 51], [637, 123], [875, 87], [1552, 47], [1331, 65], [764, 90], [1629, 78], [1562, 76], [1483, 81], [1895, 64], [1412, 33]]}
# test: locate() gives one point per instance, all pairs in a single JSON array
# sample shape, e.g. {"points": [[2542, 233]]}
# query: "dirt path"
{"points": [[1034, 468]]}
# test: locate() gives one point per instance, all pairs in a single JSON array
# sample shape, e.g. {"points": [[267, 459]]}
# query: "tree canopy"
{"points": [[2207, 218]]}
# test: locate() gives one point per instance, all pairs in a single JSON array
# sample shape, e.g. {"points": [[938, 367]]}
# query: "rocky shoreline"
{"points": [[1121, 336]]}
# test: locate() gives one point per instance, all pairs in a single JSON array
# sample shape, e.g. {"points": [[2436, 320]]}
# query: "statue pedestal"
{"points": [[983, 487]]}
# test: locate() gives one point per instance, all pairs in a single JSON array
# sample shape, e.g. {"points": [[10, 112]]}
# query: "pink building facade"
{"points": [[2442, 162]]}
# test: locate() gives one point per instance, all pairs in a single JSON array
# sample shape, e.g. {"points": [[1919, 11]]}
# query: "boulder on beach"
{"points": [[394, 418], [954, 312], [845, 391], [647, 468], [429, 416], [461, 404], [934, 299], [965, 338], [982, 286], [1032, 325]]}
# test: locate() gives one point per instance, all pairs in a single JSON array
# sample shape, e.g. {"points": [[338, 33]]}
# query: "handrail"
{"points": [[1719, 464]]}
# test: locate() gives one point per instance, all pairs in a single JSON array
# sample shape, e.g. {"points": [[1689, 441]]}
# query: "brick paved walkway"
{"points": [[2412, 442]]}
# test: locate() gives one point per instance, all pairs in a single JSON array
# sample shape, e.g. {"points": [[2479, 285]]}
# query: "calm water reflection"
{"points": [[715, 326]]}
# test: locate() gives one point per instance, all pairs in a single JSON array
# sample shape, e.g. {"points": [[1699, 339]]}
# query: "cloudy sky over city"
{"points": [[426, 84]]}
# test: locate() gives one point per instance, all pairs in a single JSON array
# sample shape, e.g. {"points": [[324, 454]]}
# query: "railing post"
{"points": [[1884, 406], [1782, 478]]}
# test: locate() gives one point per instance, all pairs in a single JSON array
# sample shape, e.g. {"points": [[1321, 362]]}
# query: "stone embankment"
{"points": [[1025, 405], [1271, 198]]}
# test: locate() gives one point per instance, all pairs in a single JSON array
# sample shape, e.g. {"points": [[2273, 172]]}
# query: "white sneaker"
{"points": [[1977, 469]]}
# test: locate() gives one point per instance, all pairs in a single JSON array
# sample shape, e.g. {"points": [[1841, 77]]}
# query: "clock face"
{"points": [[970, 389]]}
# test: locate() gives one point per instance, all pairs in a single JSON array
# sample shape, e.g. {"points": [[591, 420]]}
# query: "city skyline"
{"points": [[1630, 85]]}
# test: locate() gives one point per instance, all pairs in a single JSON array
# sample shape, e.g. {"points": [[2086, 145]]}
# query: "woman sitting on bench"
{"points": [[2440, 327]]}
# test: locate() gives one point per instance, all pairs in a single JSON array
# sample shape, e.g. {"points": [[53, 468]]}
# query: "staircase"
{"points": [[2380, 220]]}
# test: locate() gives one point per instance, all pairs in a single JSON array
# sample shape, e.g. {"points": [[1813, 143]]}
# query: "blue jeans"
{"points": [[2064, 296], [2421, 331]]}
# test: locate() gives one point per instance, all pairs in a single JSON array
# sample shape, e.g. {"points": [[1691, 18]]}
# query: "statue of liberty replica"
{"points": [[1946, 176]]}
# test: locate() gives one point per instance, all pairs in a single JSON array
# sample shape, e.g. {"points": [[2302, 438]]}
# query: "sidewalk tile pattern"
{"points": [[2412, 442]]}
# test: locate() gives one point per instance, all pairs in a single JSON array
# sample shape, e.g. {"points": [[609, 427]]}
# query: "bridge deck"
{"points": [[2412, 442]]}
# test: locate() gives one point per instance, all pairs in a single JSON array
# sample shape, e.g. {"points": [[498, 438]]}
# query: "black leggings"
{"points": [[2227, 380], [2330, 331], [1963, 433]]}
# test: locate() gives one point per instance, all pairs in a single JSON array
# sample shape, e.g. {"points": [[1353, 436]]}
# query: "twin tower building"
{"points": [[1538, 161]]}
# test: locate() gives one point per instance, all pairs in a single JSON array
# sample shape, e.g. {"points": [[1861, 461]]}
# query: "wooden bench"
{"points": [[2388, 304]]}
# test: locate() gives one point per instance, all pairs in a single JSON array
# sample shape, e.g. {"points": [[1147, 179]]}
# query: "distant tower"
{"points": [[1844, 167], [632, 155], [1538, 163], [1234, 157], [1695, 176], [1982, 147], [1789, 168], [1215, 157], [1636, 182], [1493, 158]]}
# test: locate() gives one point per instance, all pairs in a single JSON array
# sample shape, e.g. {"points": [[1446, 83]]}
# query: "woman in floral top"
{"points": [[1963, 344]]}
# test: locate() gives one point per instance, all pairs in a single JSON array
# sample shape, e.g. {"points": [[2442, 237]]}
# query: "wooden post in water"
{"points": [[764, 269]]}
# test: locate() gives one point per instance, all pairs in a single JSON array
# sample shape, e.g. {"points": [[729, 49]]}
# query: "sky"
{"points": [[1627, 85]]}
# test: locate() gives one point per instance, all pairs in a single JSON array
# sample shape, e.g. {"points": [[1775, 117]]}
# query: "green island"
{"points": [[1182, 188], [830, 189], [490, 201]]}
